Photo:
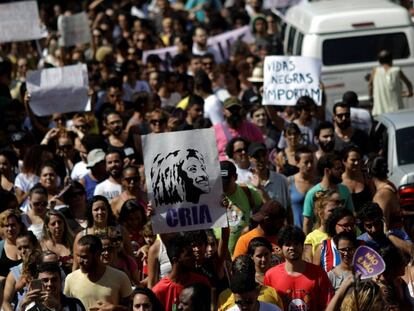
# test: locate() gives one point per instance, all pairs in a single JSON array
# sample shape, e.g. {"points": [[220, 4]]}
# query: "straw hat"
{"points": [[257, 75]]}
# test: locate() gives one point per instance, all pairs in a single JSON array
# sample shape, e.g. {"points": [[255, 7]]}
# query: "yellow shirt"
{"points": [[315, 238], [267, 294], [113, 286]]}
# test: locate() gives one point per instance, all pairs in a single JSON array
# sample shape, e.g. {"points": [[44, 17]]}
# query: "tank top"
{"points": [[330, 257], [5, 262], [165, 264], [90, 186], [360, 198], [296, 199]]}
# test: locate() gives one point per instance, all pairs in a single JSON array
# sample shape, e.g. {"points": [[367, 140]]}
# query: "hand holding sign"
{"points": [[367, 262]]}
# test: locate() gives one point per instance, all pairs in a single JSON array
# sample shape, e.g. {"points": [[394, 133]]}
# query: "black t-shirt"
{"points": [[359, 138]]}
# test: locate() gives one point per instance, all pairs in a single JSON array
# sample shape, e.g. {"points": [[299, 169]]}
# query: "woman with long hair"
{"points": [[327, 254], [325, 202], [29, 175], [38, 205], [17, 281], [58, 238], [8, 165], [285, 160], [355, 178], [11, 225], [346, 243], [101, 221], [50, 180], [260, 118]]}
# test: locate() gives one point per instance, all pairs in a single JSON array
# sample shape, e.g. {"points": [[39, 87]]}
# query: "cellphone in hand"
{"points": [[36, 284]]}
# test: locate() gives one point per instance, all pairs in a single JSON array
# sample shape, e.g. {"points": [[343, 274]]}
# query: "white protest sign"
{"points": [[221, 43], [19, 21], [74, 29], [63, 89], [280, 4], [286, 78], [183, 180]]}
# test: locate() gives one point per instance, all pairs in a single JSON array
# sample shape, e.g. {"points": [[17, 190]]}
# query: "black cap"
{"points": [[255, 147], [227, 169]]}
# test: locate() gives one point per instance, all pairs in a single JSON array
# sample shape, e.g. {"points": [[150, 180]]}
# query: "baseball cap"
{"points": [[256, 147], [94, 157], [227, 169], [231, 102], [271, 209]]}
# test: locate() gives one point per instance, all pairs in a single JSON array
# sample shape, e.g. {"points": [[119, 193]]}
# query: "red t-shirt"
{"points": [[310, 291], [168, 292]]}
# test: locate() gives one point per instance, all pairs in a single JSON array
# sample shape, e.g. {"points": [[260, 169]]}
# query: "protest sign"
{"points": [[183, 180], [19, 21], [62, 89], [220, 43], [286, 78], [74, 29], [367, 262]]}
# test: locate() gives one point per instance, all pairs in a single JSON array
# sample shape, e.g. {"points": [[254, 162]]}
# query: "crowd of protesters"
{"points": [[301, 191]]}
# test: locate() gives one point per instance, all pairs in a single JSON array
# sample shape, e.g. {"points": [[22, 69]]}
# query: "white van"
{"points": [[347, 35]]}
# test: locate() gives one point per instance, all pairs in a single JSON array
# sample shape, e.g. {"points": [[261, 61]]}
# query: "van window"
{"points": [[298, 47], [291, 40], [363, 49], [405, 145]]}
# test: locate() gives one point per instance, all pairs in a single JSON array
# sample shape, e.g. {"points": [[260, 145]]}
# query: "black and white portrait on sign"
{"points": [[179, 176], [183, 179]]}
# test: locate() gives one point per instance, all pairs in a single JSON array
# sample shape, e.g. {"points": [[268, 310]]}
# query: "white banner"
{"points": [[286, 78], [183, 180], [221, 43], [63, 89], [74, 29], [19, 21]]}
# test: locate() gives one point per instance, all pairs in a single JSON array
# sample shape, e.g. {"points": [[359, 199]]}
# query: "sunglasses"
{"points": [[129, 179], [240, 150], [159, 121], [40, 204], [342, 115]]}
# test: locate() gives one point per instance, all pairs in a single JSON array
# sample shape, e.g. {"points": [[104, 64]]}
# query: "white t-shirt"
{"points": [[213, 109], [243, 175], [79, 170], [108, 189], [264, 306]]}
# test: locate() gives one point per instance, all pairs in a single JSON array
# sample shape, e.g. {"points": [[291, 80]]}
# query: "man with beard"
{"points": [[345, 134], [270, 219], [115, 128], [331, 168], [97, 286], [325, 138], [302, 285], [181, 256], [234, 126], [112, 186]]}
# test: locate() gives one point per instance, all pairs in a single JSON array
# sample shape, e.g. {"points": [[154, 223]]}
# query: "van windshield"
{"points": [[363, 49], [405, 145]]}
